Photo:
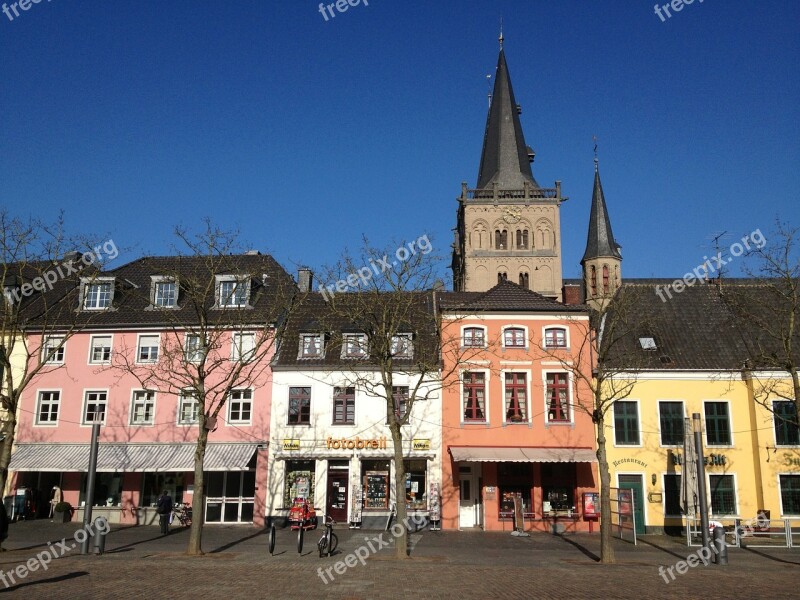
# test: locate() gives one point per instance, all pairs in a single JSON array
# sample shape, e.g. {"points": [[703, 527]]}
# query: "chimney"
{"points": [[305, 279]]}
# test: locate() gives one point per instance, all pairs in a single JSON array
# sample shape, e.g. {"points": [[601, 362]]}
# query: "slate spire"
{"points": [[505, 157], [600, 241]]}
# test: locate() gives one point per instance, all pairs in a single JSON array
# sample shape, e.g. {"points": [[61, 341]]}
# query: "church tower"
{"points": [[602, 261], [508, 228]]}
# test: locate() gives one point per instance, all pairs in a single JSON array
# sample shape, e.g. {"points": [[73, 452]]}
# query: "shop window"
{"points": [[507, 495], [718, 425], [626, 423], [671, 418], [790, 494], [672, 495], [416, 487], [784, 414], [474, 396], [375, 478], [299, 481], [155, 483], [723, 495], [516, 391], [557, 398], [107, 489], [558, 499]]}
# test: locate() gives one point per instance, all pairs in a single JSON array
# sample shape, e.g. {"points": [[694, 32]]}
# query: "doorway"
{"points": [[338, 484], [636, 484], [469, 506], [230, 496]]}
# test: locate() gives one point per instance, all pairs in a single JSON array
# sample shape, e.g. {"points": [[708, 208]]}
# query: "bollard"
{"points": [[721, 553], [100, 532]]}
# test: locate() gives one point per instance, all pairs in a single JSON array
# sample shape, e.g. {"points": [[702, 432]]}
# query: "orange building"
{"points": [[519, 443]]}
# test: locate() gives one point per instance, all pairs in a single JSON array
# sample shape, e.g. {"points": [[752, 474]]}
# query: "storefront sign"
{"points": [[420, 444], [714, 460], [791, 461], [356, 444], [291, 444], [635, 461]]}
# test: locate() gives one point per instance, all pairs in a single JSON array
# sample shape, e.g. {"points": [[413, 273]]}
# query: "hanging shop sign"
{"points": [[714, 460], [356, 443], [291, 444], [420, 444]]}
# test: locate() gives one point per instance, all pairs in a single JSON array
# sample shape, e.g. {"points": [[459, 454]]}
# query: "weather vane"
{"points": [[594, 139]]}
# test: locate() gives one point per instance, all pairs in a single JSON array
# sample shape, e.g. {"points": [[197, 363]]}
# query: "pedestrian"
{"points": [[164, 509]]}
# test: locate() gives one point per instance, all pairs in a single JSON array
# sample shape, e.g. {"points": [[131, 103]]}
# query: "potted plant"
{"points": [[62, 512]]}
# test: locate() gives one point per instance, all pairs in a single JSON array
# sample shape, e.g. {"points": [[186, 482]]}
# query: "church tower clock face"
{"points": [[511, 216]]}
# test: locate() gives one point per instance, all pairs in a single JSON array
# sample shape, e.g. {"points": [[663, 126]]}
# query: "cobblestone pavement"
{"points": [[139, 563]]}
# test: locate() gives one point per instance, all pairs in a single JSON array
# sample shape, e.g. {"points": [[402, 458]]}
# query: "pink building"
{"points": [[516, 426], [132, 363]]}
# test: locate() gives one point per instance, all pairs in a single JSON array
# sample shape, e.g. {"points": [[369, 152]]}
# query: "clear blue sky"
{"points": [[136, 116]]}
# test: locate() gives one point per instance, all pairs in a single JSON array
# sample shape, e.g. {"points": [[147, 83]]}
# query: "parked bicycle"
{"points": [[183, 512], [328, 542]]}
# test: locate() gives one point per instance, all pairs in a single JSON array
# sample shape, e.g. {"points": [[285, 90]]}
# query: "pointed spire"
{"points": [[600, 241], [505, 157]]}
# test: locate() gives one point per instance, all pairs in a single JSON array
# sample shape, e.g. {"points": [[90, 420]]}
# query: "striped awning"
{"points": [[504, 454], [114, 457]]}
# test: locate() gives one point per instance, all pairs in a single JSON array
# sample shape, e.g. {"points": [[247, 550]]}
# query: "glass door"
{"points": [[230, 496]]}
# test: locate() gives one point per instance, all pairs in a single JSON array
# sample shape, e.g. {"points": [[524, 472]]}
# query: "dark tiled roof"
{"points": [[359, 312], [504, 159], [131, 307], [600, 241], [505, 296]]}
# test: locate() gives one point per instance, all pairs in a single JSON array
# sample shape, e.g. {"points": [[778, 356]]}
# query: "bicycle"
{"points": [[328, 543], [183, 512]]}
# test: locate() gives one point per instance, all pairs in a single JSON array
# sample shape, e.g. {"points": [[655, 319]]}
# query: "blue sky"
{"points": [[304, 134]]}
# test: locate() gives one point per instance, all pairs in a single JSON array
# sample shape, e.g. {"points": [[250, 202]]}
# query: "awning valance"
{"points": [[504, 454], [113, 457]]}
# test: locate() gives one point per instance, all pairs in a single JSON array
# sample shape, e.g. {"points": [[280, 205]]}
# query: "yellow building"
{"points": [[686, 358]]}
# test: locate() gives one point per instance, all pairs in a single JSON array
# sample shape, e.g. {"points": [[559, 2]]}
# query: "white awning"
{"points": [[113, 457], [503, 454]]}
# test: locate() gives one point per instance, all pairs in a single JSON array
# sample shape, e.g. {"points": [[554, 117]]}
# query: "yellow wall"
{"points": [[741, 457]]}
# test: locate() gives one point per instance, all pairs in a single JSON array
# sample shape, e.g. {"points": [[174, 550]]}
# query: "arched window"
{"points": [[524, 280], [498, 240], [605, 279], [502, 276], [522, 239], [555, 337], [593, 280]]}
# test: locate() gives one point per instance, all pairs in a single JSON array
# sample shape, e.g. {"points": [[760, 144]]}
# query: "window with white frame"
{"points": [[557, 398], [402, 346], [310, 345], [474, 337], [299, 406], [100, 349], [474, 385], [784, 416], [243, 346], [514, 337], [555, 337], [192, 349], [516, 394], [233, 293], [354, 345], [790, 494], [148, 348], [671, 422], [718, 424], [188, 408], [626, 423], [240, 406], [97, 294], [94, 410], [47, 411], [165, 293], [723, 494], [400, 396], [144, 407], [53, 350]]}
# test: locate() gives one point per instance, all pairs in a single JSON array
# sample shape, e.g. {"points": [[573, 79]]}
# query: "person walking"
{"points": [[164, 509]]}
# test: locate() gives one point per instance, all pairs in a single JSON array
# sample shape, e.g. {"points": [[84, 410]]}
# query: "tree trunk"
{"points": [[796, 389], [606, 540], [10, 431], [198, 499], [401, 541]]}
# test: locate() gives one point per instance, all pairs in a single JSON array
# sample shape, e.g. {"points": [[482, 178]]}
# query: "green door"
{"points": [[634, 482]]}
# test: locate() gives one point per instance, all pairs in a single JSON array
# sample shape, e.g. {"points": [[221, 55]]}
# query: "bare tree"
{"points": [[41, 276], [766, 312], [219, 337]]}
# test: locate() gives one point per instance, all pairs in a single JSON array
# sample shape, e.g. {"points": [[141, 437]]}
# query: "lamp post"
{"points": [[701, 478], [90, 478]]}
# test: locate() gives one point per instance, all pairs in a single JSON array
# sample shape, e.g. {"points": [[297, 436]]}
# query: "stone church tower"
{"points": [[507, 227], [602, 261]]}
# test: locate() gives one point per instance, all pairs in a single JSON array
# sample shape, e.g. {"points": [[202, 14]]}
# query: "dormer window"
{"points": [[402, 346], [232, 292], [354, 345], [310, 345], [165, 292], [98, 294]]}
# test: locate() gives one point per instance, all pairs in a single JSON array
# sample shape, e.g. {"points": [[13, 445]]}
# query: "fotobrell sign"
{"points": [[356, 443]]}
